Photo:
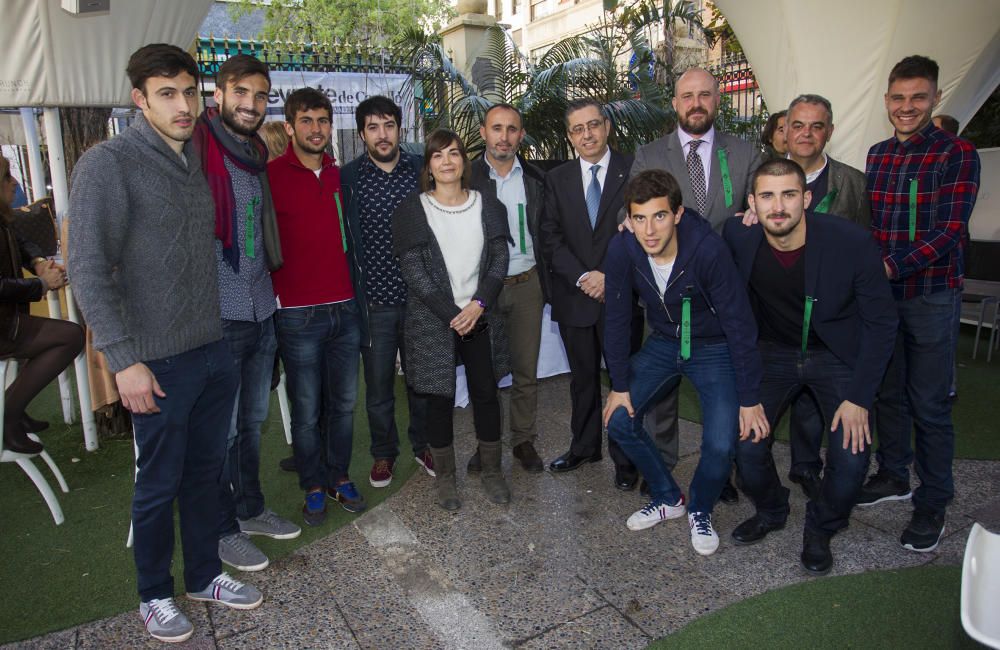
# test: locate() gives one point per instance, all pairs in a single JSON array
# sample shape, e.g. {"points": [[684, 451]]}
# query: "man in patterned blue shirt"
{"points": [[247, 249], [373, 184]]}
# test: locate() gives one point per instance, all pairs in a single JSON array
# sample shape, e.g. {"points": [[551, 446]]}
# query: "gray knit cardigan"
{"points": [[430, 304]]}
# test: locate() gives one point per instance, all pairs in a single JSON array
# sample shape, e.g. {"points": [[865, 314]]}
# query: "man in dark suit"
{"points": [[712, 169], [520, 186], [583, 198], [826, 321]]}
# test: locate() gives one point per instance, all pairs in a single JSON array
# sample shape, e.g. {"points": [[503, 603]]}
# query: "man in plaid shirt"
{"points": [[922, 183]]}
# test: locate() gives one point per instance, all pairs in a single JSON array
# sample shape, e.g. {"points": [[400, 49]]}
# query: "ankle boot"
{"points": [[31, 424], [17, 441], [444, 480], [493, 484]]}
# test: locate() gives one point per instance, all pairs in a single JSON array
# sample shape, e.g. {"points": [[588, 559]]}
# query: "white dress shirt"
{"points": [[602, 173]]}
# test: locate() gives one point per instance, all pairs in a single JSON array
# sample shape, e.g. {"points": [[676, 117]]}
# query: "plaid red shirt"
{"points": [[947, 173]]}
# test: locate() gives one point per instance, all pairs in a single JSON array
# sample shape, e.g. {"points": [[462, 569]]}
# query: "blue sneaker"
{"points": [[348, 496], [314, 509]]}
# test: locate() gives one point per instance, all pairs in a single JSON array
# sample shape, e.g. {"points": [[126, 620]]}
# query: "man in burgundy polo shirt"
{"points": [[318, 325]]}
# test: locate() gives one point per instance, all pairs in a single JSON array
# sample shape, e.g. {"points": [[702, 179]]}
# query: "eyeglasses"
{"points": [[592, 125]]}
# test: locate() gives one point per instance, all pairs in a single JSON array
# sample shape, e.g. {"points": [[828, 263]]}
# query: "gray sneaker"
{"points": [[164, 621], [271, 525], [226, 590], [239, 552]]}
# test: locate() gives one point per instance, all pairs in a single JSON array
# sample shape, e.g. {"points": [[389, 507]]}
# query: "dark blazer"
{"points": [[430, 304], [570, 246], [534, 189], [742, 158], [851, 200], [16, 291], [704, 272], [854, 313]]}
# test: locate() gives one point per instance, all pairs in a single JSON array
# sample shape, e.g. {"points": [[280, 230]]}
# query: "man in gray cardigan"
{"points": [[141, 259]]}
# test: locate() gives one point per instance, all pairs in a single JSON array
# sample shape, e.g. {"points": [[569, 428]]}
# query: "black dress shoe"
{"points": [[754, 530], [729, 495], [810, 482], [287, 464], [625, 481], [816, 557], [530, 460], [17, 441], [644, 489], [570, 461]]}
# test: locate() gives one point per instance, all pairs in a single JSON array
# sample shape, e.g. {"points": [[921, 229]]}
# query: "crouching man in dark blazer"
{"points": [[827, 320]]}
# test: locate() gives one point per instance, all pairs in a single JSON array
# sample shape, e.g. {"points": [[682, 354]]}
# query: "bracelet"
{"points": [[481, 304]]}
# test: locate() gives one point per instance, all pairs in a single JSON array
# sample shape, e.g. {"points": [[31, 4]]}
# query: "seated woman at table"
{"points": [[47, 345], [451, 242]]}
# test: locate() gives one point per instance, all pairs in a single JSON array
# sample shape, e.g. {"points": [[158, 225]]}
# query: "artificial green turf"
{"points": [[55, 577], [906, 608], [975, 414]]}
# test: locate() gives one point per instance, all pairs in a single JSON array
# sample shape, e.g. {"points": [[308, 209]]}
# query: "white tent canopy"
{"points": [[54, 58], [844, 51]]}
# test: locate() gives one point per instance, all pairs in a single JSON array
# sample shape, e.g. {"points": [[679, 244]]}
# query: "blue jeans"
{"points": [[787, 373], [915, 395], [253, 345], [385, 325], [320, 349], [655, 371], [181, 452]]}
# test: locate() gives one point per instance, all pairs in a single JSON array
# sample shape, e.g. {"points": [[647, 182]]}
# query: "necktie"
{"points": [[593, 195], [697, 174]]}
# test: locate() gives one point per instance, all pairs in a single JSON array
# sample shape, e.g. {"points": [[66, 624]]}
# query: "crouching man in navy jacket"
{"points": [[703, 329], [827, 324]]}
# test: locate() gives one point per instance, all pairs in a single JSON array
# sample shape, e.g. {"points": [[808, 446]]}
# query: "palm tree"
{"points": [[612, 62]]}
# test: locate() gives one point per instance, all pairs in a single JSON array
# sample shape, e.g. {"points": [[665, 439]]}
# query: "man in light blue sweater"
{"points": [[143, 268]]}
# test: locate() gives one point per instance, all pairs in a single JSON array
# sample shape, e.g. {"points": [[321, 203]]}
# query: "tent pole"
{"points": [[60, 192], [34, 154]]}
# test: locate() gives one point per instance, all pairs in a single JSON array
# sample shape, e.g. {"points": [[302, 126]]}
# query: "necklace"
{"points": [[465, 207]]}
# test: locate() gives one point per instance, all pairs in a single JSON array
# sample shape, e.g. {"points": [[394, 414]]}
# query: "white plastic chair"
{"points": [[8, 370], [286, 414], [981, 586]]}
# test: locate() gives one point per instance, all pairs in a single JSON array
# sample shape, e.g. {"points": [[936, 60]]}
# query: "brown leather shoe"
{"points": [[530, 460]]}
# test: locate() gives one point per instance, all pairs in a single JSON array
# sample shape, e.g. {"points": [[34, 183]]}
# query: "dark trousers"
{"points": [[320, 349], [787, 373], [477, 356], [661, 420], [385, 326], [915, 395], [181, 452], [253, 345], [805, 426], [584, 349]]}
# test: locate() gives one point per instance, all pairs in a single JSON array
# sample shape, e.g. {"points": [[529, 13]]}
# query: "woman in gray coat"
{"points": [[451, 242]]}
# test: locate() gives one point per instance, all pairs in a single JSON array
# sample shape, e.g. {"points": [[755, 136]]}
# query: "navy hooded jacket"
{"points": [[703, 270]]}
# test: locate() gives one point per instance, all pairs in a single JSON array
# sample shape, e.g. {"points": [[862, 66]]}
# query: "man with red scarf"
{"points": [[247, 249]]}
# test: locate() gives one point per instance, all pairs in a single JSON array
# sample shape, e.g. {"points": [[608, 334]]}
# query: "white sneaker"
{"points": [[703, 537], [654, 512]]}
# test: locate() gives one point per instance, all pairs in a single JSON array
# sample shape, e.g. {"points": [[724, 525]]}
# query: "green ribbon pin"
{"points": [[520, 220], [686, 328], [727, 181], [340, 218], [806, 319], [248, 238], [824, 205], [913, 209]]}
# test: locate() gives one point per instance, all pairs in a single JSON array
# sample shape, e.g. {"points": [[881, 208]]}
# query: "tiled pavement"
{"points": [[555, 569]]}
